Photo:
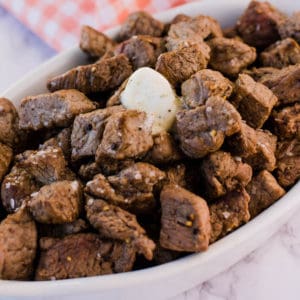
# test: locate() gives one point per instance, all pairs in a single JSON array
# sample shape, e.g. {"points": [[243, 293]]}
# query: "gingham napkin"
{"points": [[58, 22]]}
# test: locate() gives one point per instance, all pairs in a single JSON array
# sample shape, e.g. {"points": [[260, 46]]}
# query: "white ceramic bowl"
{"points": [[172, 278]]}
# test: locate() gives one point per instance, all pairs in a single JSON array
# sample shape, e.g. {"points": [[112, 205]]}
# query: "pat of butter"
{"points": [[149, 91]]}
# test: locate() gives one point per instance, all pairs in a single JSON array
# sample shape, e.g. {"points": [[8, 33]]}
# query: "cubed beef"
{"points": [[179, 65], [164, 149], [106, 74], [95, 43], [253, 100], [162, 255], [175, 174], [290, 27], [256, 147], [200, 27], [50, 110], [6, 156], [228, 213], [114, 99], [8, 123], [61, 140], [258, 25], [16, 187], [89, 170], [263, 190], [46, 166], [82, 255], [180, 18], [88, 130], [142, 50], [288, 162], [258, 73], [281, 54], [18, 242], [202, 130], [116, 223], [130, 189], [62, 230], [140, 23], [204, 84], [286, 122], [126, 135], [222, 173], [56, 203], [284, 84], [185, 223], [230, 56], [231, 33]]}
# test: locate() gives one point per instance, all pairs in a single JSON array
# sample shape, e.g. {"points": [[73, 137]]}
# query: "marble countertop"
{"points": [[270, 272]]}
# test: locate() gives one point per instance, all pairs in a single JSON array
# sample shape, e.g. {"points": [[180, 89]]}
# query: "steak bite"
{"points": [[46, 166], [253, 100], [82, 255], [203, 129], [204, 84], [223, 173], [16, 187], [230, 56], [126, 135], [89, 170], [116, 223], [281, 54], [106, 74], [228, 213], [256, 147], [131, 189], [290, 27], [288, 162], [140, 23], [286, 122], [178, 65], [258, 73], [88, 130], [180, 18], [284, 84], [185, 224], [164, 149], [6, 156], [263, 191], [94, 43], [258, 26], [18, 242], [53, 110], [142, 50], [8, 122], [56, 203]]}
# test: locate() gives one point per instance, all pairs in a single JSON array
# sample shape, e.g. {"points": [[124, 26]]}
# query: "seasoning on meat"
{"points": [[253, 100], [142, 50], [116, 223], [140, 23], [18, 243], [88, 130], [203, 129], [53, 110], [281, 54], [95, 43], [178, 65], [263, 191], [230, 56], [221, 173], [185, 222], [288, 162], [82, 255], [126, 135], [228, 213], [258, 26], [56, 203], [101, 76], [204, 84]]}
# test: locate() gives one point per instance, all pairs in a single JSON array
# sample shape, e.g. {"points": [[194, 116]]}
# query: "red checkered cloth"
{"points": [[58, 22]]}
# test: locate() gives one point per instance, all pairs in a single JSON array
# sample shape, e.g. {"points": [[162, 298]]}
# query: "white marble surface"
{"points": [[270, 272]]}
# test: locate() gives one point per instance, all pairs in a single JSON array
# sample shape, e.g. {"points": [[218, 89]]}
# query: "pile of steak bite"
{"points": [[88, 190]]}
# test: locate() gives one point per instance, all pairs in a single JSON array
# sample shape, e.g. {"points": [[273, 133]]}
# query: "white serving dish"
{"points": [[163, 281]]}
